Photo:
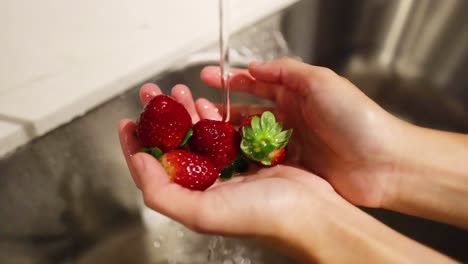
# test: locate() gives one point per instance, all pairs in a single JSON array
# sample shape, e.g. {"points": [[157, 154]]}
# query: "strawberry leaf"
{"points": [[268, 120], [245, 147], [186, 137], [247, 132], [155, 152], [255, 124], [266, 162], [278, 127], [258, 155], [283, 136], [227, 173], [266, 150], [240, 164]]}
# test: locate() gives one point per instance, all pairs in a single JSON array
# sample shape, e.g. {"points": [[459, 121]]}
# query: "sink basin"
{"points": [[67, 197], [408, 55]]}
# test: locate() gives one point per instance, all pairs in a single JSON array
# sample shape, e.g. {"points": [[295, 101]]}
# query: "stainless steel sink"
{"points": [[408, 55], [67, 197]]}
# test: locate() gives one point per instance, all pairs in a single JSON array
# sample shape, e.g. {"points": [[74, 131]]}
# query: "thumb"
{"points": [[160, 194]]}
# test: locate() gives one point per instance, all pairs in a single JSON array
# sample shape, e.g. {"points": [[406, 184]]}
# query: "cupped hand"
{"points": [[339, 133], [252, 205]]}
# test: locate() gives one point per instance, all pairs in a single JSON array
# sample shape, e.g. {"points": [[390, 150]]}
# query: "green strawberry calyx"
{"points": [[186, 137], [263, 138], [239, 165], [155, 152]]}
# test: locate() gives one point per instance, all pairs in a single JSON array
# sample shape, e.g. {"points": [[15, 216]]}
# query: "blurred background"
{"points": [[72, 70]]}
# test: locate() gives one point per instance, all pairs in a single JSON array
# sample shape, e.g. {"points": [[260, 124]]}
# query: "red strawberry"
{"points": [[216, 140], [263, 139], [163, 123], [189, 170], [246, 122], [276, 156]]}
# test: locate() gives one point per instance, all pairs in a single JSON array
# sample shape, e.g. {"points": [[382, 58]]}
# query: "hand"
{"points": [[284, 204], [247, 206], [339, 133]]}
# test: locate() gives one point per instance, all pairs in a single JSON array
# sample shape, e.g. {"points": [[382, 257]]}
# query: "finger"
{"points": [[240, 111], [241, 81], [293, 74], [129, 144], [207, 212], [167, 198], [182, 94], [207, 110], [148, 91], [211, 75], [251, 175]]}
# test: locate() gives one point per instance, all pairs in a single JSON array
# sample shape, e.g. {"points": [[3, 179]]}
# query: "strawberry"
{"points": [[263, 140], [246, 122], [163, 124], [216, 140], [276, 156], [189, 170]]}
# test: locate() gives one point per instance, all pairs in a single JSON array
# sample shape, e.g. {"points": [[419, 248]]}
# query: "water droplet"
{"points": [[179, 233], [227, 251], [157, 244], [238, 260], [213, 243], [239, 250]]}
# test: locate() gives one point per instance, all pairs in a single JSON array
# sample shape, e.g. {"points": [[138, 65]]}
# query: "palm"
{"points": [[339, 153], [339, 133], [231, 207], [301, 144], [258, 197]]}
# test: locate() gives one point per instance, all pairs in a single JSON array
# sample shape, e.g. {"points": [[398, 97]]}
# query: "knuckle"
{"points": [[326, 72], [319, 76], [346, 80], [285, 60]]}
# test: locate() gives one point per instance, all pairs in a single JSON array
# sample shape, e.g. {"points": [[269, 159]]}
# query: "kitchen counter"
{"points": [[62, 58]]}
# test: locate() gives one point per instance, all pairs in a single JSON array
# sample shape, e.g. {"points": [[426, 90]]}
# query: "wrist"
{"points": [[398, 161], [429, 175], [316, 236], [341, 232], [306, 232]]}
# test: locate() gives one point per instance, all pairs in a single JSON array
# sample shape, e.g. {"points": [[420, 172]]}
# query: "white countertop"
{"points": [[62, 58]]}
